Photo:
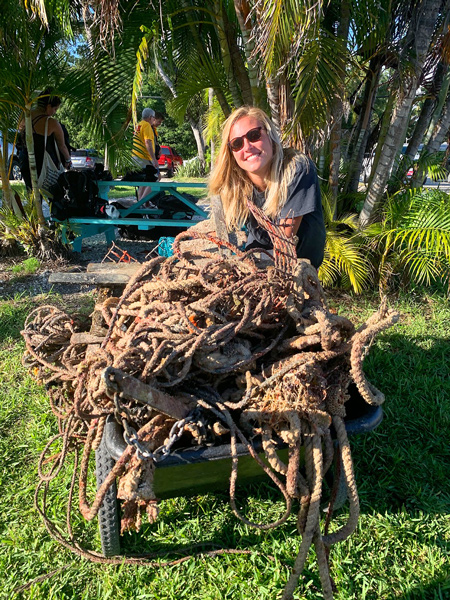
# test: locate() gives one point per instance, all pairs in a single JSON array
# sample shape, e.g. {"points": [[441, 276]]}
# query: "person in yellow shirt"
{"points": [[144, 147]]}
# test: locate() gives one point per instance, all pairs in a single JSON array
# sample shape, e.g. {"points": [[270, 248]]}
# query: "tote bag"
{"points": [[49, 172]]}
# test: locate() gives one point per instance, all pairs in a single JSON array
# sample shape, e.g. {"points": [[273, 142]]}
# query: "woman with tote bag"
{"points": [[51, 153]]}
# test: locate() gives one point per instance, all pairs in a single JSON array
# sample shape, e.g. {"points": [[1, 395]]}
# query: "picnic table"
{"points": [[84, 227]]}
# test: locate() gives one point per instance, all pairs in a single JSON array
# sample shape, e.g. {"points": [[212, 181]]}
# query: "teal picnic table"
{"points": [[84, 227]]}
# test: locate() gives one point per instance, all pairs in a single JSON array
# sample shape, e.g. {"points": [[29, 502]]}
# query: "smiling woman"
{"points": [[252, 165]]}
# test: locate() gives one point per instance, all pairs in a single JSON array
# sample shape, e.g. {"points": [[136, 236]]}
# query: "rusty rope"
{"points": [[254, 350]]}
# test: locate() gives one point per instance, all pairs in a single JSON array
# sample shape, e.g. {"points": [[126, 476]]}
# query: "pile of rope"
{"points": [[254, 352]]}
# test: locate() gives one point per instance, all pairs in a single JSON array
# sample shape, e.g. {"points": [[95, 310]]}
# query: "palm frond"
{"points": [[346, 255]]}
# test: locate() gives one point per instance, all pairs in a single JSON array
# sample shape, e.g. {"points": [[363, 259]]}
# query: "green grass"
{"points": [[27, 267], [401, 549]]}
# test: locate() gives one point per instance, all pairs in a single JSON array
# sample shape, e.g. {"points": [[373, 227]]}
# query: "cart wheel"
{"points": [[108, 515]]}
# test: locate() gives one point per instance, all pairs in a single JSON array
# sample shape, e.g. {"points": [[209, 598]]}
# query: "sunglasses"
{"points": [[253, 135]]}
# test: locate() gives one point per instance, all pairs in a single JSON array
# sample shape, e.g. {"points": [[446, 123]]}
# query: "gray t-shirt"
{"points": [[303, 199]]}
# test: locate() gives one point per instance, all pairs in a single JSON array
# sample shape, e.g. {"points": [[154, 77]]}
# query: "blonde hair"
{"points": [[233, 185]]}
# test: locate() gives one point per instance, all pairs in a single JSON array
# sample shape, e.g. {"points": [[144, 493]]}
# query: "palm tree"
{"points": [[422, 26]]}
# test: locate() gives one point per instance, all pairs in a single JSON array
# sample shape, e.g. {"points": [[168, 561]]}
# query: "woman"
{"points": [[282, 182], [47, 106]]}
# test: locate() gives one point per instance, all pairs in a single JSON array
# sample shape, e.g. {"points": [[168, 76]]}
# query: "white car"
{"points": [[86, 158]]}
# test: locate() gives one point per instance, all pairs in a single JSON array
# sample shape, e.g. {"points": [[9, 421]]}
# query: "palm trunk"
{"points": [[383, 127], [338, 105], [425, 15], [439, 106], [273, 96], [243, 11], [212, 145], [441, 82], [221, 29], [4, 172], [32, 162], [359, 150]]}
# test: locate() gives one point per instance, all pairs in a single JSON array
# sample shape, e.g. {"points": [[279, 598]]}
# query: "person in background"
{"points": [[47, 105], [283, 182], [144, 147], [157, 120]]}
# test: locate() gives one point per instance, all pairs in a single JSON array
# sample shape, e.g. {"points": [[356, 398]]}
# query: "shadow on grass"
{"points": [[438, 590], [406, 461]]}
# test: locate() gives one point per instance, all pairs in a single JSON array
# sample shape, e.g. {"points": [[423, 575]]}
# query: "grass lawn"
{"points": [[401, 549]]}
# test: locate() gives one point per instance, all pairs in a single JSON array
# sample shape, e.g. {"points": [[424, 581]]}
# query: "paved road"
{"points": [[429, 184], [441, 185]]}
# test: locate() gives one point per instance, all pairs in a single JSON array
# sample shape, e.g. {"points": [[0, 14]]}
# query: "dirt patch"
{"points": [[94, 250]]}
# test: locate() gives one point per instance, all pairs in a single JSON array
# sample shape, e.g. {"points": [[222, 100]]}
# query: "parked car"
{"points": [[13, 162], [169, 160], [85, 158]]}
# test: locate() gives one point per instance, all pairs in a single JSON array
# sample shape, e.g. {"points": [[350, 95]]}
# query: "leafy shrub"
{"points": [[191, 168], [411, 240]]}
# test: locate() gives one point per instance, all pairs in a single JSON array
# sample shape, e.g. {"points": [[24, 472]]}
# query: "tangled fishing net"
{"points": [[234, 352]]}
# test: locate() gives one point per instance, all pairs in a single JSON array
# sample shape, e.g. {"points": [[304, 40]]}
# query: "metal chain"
{"points": [[131, 438]]}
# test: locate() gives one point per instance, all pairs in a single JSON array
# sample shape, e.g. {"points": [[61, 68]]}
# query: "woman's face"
{"points": [[254, 157], [51, 110]]}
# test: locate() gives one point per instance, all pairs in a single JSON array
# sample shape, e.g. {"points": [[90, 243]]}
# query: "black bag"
{"points": [[148, 174], [75, 194]]}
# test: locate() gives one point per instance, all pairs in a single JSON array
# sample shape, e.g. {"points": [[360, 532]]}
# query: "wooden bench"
{"points": [[84, 227]]}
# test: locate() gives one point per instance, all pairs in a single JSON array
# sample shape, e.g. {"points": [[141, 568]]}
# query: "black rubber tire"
{"points": [[108, 515], [169, 173]]}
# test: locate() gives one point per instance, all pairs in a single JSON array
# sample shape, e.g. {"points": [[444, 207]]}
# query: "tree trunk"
{"points": [[338, 105], [422, 26], [237, 62], [440, 84], [243, 14], [4, 172], [359, 149], [273, 96], [32, 162], [383, 127], [199, 139], [222, 27], [212, 148], [439, 106]]}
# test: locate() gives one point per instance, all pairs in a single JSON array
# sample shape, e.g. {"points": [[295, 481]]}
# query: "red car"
{"points": [[169, 160]]}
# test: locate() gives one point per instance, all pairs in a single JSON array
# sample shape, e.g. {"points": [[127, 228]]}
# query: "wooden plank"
{"points": [[110, 267], [90, 278]]}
